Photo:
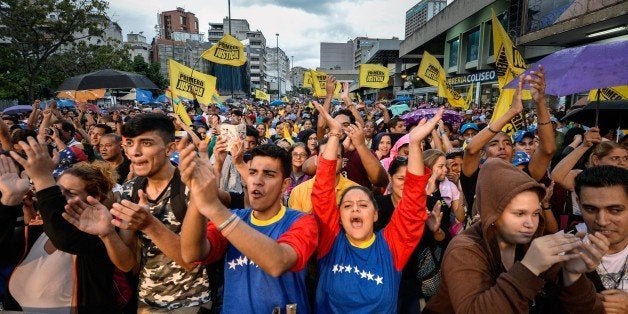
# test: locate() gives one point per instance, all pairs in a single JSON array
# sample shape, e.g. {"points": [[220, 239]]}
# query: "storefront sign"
{"points": [[483, 76]]}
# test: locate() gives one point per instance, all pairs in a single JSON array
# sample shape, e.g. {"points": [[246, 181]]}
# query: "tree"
{"points": [[34, 31], [151, 71]]}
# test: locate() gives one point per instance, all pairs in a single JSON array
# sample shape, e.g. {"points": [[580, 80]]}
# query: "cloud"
{"points": [[302, 24]]}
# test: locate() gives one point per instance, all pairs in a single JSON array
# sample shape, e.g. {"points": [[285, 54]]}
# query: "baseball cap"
{"points": [[467, 126], [521, 158], [468, 111], [520, 135]]}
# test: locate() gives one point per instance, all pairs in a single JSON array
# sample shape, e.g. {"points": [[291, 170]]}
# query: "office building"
{"points": [[422, 12]]}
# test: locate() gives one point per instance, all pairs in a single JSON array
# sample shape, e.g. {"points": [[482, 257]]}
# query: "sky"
{"points": [[302, 24]]}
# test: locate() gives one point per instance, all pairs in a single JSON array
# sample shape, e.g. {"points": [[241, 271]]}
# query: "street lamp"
{"points": [[277, 59]]}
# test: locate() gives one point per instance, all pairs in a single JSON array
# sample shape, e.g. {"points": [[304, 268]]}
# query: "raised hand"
{"points": [[536, 79], [356, 133], [91, 217], [425, 127], [132, 216], [330, 85], [38, 164], [435, 218], [334, 126], [237, 151], [12, 186], [516, 106], [345, 92], [220, 149], [592, 137], [549, 250], [198, 176]]}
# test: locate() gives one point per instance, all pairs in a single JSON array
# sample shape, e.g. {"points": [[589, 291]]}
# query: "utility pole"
{"points": [[278, 76]]}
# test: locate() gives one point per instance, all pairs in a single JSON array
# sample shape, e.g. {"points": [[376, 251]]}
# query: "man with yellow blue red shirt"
{"points": [[267, 246]]}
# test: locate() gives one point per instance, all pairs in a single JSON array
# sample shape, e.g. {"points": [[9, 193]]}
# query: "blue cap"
{"points": [[467, 126], [520, 135], [521, 158]]}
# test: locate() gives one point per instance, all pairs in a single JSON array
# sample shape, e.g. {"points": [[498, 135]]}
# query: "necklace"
{"points": [[609, 275]]}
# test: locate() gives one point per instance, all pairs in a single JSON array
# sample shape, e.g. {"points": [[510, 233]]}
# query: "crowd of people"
{"points": [[324, 207]]}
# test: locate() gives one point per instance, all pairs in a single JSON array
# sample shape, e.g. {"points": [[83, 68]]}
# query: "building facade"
{"points": [[137, 45], [422, 12], [179, 39], [337, 56], [176, 21], [461, 36], [278, 69]]}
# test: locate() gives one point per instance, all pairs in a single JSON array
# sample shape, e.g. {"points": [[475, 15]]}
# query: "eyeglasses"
{"points": [[299, 155]]}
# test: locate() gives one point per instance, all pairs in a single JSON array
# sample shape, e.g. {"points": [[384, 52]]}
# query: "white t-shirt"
{"points": [[43, 282], [613, 270]]}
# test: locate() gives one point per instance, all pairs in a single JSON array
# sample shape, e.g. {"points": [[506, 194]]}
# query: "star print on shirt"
{"points": [[242, 261], [338, 269]]}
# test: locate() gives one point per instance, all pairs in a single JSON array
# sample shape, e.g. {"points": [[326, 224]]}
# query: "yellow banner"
{"points": [[261, 95], [373, 76], [469, 99], [433, 73], [307, 79], [191, 84], [285, 99], [228, 50], [509, 63], [177, 107], [318, 84], [610, 93]]}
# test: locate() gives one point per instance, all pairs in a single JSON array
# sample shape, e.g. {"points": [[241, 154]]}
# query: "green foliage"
{"points": [[151, 71], [38, 34]]}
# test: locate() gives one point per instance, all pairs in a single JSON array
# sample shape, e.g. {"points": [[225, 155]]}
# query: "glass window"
{"points": [[473, 45], [453, 52]]}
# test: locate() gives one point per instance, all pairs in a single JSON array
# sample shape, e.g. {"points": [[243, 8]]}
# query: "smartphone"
{"points": [[232, 132]]}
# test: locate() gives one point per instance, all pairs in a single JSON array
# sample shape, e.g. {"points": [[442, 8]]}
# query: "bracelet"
{"points": [[491, 130], [544, 123], [227, 222], [338, 135], [230, 228]]}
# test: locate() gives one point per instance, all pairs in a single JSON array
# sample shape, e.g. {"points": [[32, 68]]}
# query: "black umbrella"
{"points": [[108, 78], [612, 114]]}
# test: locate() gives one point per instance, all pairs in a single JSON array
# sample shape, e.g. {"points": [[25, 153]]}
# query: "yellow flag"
{"points": [[261, 95], [508, 60], [318, 84], [357, 95], [373, 76], [433, 73], [307, 79], [178, 108], [610, 93], [191, 84], [285, 99], [502, 106], [228, 50], [509, 64], [470, 95]]}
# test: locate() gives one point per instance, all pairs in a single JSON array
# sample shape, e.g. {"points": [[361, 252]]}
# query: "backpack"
{"points": [[177, 194]]}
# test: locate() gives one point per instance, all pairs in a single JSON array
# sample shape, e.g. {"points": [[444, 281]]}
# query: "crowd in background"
{"points": [[323, 207]]}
